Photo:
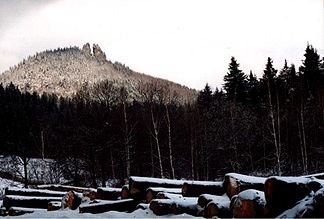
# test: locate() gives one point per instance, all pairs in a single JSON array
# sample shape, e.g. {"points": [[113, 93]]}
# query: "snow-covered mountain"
{"points": [[65, 71]]}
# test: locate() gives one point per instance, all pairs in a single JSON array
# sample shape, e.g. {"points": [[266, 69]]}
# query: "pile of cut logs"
{"points": [[238, 196]]}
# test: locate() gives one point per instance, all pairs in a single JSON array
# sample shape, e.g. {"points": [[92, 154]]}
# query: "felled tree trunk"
{"points": [[235, 183], [27, 201], [54, 206], [63, 188], [71, 200], [196, 188], [33, 192], [303, 209], [204, 199], [153, 191], [161, 206], [319, 203], [184, 205], [218, 208], [101, 206], [165, 195], [283, 193], [108, 193], [248, 204], [125, 194], [139, 185]]}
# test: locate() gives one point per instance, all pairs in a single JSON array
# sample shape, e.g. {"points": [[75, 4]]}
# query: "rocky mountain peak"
{"points": [[98, 53], [86, 49]]}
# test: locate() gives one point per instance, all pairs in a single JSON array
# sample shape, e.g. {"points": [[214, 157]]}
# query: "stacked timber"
{"points": [[283, 193], [33, 192], [196, 188], [248, 204], [63, 188], [107, 193], [139, 185], [100, 206], [213, 205], [235, 183], [174, 206], [27, 201], [152, 192]]}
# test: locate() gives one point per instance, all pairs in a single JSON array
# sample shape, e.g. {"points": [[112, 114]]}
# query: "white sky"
{"points": [[186, 41]]}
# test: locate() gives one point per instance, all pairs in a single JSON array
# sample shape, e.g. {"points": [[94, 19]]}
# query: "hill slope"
{"points": [[65, 71]]}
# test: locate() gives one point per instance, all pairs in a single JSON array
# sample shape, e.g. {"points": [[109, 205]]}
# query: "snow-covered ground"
{"points": [[66, 213]]}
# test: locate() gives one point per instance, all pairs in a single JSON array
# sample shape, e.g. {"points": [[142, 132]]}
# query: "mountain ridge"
{"points": [[64, 71]]}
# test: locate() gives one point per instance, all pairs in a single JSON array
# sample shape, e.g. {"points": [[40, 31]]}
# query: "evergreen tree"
{"points": [[310, 69], [235, 82]]}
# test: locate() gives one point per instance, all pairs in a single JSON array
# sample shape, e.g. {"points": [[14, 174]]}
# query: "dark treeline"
{"points": [[271, 125]]}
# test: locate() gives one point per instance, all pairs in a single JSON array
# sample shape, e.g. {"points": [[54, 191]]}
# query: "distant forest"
{"points": [[266, 126]]}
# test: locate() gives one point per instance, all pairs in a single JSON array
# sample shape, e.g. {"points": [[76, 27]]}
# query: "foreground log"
{"points": [[63, 188], [204, 199], [219, 208], [27, 201], [283, 193], [235, 183], [33, 192], [161, 206], [71, 200], [303, 209], [153, 191], [196, 188], [125, 194], [319, 203], [139, 185], [106, 193], [184, 205], [248, 204], [100, 206]]}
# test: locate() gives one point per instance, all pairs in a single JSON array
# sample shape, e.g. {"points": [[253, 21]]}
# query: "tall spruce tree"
{"points": [[235, 82]]}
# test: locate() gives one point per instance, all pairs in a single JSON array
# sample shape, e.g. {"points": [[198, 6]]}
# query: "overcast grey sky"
{"points": [[186, 41]]}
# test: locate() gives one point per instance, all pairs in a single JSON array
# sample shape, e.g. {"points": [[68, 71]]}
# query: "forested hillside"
{"points": [[271, 125]]}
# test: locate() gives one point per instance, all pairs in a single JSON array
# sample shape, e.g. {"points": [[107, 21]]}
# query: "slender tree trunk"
{"points": [[126, 142], [169, 141], [279, 129], [301, 143], [274, 133], [43, 145], [152, 159], [235, 165], [25, 163], [112, 165], [192, 149], [304, 139], [156, 138]]}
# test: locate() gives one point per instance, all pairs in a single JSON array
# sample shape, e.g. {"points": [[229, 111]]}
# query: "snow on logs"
{"points": [[106, 193], [283, 193], [235, 183], [139, 185], [33, 192], [213, 205], [174, 206], [63, 188], [248, 204], [196, 188], [152, 192], [100, 206], [28, 201]]}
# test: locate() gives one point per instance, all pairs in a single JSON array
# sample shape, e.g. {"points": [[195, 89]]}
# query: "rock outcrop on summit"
{"points": [[65, 71]]}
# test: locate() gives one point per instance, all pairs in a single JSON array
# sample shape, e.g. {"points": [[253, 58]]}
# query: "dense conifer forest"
{"points": [[268, 125]]}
